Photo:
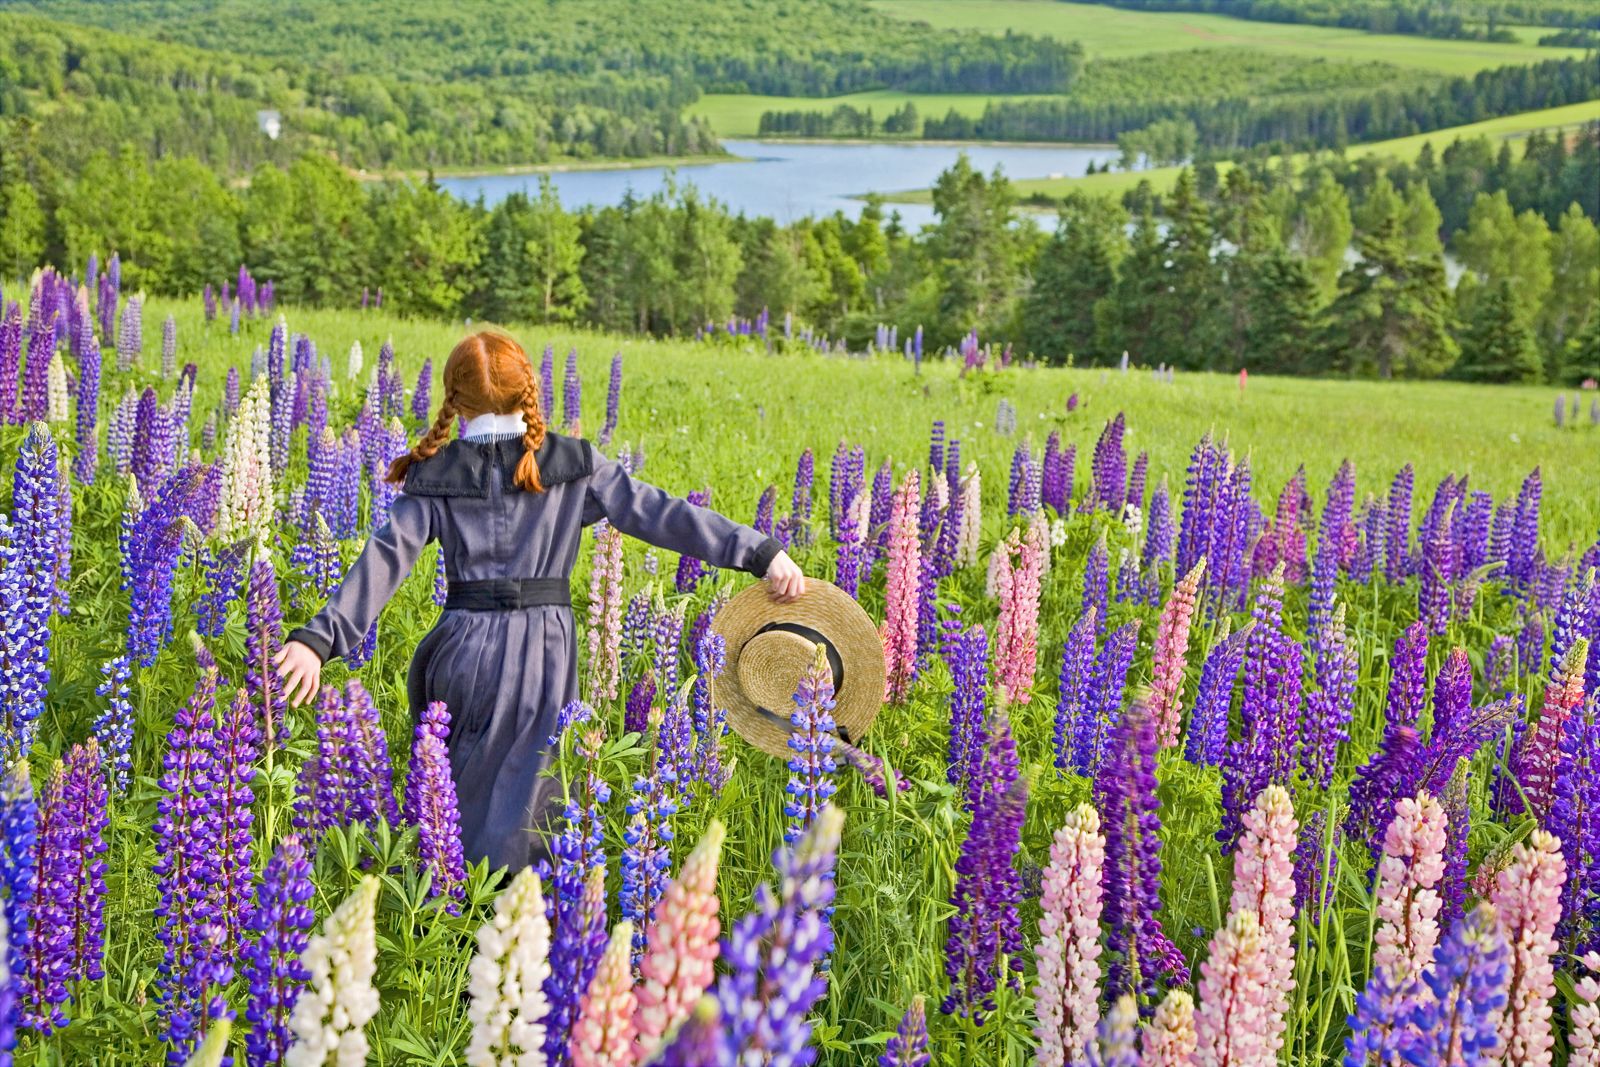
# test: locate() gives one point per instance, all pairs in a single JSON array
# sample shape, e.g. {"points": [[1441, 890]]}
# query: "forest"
{"points": [[1453, 18], [1243, 269]]}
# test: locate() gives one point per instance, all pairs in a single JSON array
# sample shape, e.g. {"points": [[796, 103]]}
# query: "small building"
{"points": [[269, 122]]}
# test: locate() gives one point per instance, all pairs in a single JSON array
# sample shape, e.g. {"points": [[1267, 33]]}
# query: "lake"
{"points": [[788, 180]]}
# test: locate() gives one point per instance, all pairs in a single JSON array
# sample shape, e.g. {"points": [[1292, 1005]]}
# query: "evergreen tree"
{"points": [[1125, 320], [1497, 346], [1583, 355], [1391, 317], [974, 248], [1499, 244], [1422, 222], [1075, 270], [1323, 233], [1282, 315], [1575, 285], [1188, 328]]}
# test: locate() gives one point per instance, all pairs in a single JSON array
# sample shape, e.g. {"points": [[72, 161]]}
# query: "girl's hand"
{"points": [[785, 580], [301, 671]]}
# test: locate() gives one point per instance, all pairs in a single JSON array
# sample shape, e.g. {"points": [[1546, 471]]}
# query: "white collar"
{"points": [[492, 425]]}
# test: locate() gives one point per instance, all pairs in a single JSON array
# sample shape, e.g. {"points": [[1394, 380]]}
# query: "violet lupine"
{"points": [[84, 804], [1438, 564], [86, 461], [1075, 727], [604, 623], [422, 396], [773, 952], [603, 1034], [571, 396], [331, 1014], [1535, 758], [811, 738], [1207, 736], [578, 931], [47, 959], [42, 337], [10, 360], [1330, 706], [1066, 994], [1527, 897], [1263, 884], [1457, 1023], [262, 640], [1336, 544], [1158, 542], [186, 865], [1110, 470], [1522, 546], [221, 573], [967, 657], [1169, 659], [430, 806], [1458, 824], [1055, 479], [1316, 867], [1575, 819], [765, 504], [238, 743], [691, 570], [154, 544], [647, 840], [1407, 900], [794, 530], [900, 612], [613, 400], [113, 728], [1397, 532], [1093, 735], [909, 1045], [1269, 710], [1142, 958], [1097, 583], [681, 946], [985, 942], [1017, 630], [280, 926]]}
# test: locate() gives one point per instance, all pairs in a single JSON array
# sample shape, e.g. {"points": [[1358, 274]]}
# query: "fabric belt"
{"points": [[508, 594]]}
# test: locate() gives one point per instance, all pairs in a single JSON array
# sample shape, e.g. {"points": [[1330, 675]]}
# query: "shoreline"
{"points": [[512, 170], [919, 141]]}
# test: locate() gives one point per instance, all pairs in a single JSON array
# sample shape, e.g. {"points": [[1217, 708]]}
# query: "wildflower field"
{"points": [[1229, 721]]}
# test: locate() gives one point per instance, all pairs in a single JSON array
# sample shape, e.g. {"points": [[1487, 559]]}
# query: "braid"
{"points": [[532, 438], [431, 442]]}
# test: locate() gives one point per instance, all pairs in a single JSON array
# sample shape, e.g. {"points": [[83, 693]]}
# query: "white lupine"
{"points": [[246, 509], [353, 368], [329, 1020], [506, 980], [971, 518], [56, 389]]}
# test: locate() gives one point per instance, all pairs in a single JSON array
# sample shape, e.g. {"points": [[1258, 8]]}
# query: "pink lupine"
{"points": [[971, 518], [1066, 995], [1585, 1037], [605, 614], [1235, 999], [1527, 896], [1408, 896], [1263, 884], [682, 948], [1534, 761], [603, 1034], [1170, 1039], [899, 630], [1171, 655], [1017, 632]]}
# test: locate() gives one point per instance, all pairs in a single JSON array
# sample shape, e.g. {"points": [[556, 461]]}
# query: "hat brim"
{"points": [[853, 640]]}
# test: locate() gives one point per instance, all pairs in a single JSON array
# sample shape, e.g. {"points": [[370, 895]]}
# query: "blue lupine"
{"points": [[281, 923], [577, 933], [87, 460], [154, 546], [1111, 665], [430, 806], [1075, 729], [647, 846], [113, 728], [967, 656], [811, 739], [613, 400]]}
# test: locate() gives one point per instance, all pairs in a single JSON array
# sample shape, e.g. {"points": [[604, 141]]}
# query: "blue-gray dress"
{"points": [[503, 655]]}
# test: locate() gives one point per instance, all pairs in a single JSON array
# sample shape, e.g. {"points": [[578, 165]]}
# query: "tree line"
{"points": [[1473, 19], [1337, 267]]}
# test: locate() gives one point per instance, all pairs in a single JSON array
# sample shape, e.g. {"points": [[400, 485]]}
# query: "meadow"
{"points": [[735, 418]]}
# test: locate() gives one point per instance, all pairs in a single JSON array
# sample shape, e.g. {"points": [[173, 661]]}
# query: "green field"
{"points": [[1514, 128], [739, 114], [1113, 33]]}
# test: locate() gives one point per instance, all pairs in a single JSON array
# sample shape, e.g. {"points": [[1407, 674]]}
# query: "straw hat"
{"points": [[768, 646]]}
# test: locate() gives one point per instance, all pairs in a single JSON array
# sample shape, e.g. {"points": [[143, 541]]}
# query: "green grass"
{"points": [[735, 419], [739, 114], [1513, 128], [1112, 33]]}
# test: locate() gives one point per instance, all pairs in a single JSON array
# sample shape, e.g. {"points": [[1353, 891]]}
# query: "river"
{"points": [[789, 180]]}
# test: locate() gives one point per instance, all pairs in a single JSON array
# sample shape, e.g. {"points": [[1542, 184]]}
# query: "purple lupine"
{"points": [[35, 401], [773, 954], [281, 923], [1472, 530], [238, 743], [795, 531], [1397, 534], [1578, 615], [372, 789], [130, 334], [152, 555], [47, 959], [1330, 706], [636, 711], [430, 806], [1469, 981], [881, 508], [280, 400], [422, 396], [1142, 958], [967, 656], [613, 400], [18, 818], [1094, 732], [29, 579], [691, 570], [230, 393], [1316, 867], [1158, 539], [1053, 487], [1110, 468], [169, 348], [1390, 774], [571, 396], [764, 507], [113, 728], [1370, 547], [186, 865], [1097, 583], [1523, 547], [87, 460], [1335, 546], [710, 721], [1136, 479], [1408, 680], [324, 791], [811, 739], [263, 638], [1575, 820], [547, 378], [1458, 824], [936, 445], [221, 574], [1021, 460], [909, 1045], [1075, 727], [84, 799], [10, 361], [152, 454], [1438, 565], [1269, 710], [1499, 668], [577, 931], [984, 946], [1530, 647]]}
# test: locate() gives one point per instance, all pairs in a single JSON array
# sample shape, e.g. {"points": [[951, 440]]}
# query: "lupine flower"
{"points": [[29, 563], [571, 396], [1170, 657], [1075, 728], [48, 962], [263, 638], [1534, 759], [331, 1014], [1157, 542], [772, 953], [19, 815], [1208, 723], [1017, 631], [1336, 545], [967, 657], [1585, 1036], [603, 1035], [247, 503], [795, 529], [1066, 995], [676, 968], [1263, 884], [909, 1045], [605, 614], [1457, 1023], [1397, 535], [1527, 897], [113, 728], [613, 398], [238, 743], [154, 543], [1097, 582], [1093, 736], [10, 361], [1329, 707], [971, 518], [1316, 867], [1110, 468], [646, 852], [811, 738], [900, 616], [691, 570], [1141, 956], [1408, 900], [1115, 1043], [578, 934], [1575, 820], [1523, 545], [1233, 1022], [280, 924], [1269, 711], [507, 977], [42, 338], [430, 806], [1170, 1040]]}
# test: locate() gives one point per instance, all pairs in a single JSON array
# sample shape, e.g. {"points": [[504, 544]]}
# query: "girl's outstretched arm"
{"points": [[383, 564]]}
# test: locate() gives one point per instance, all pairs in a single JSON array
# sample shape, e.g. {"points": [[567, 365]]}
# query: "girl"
{"points": [[507, 505]]}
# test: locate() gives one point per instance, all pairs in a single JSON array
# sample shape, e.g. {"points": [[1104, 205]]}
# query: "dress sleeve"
{"points": [[642, 510], [383, 564]]}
